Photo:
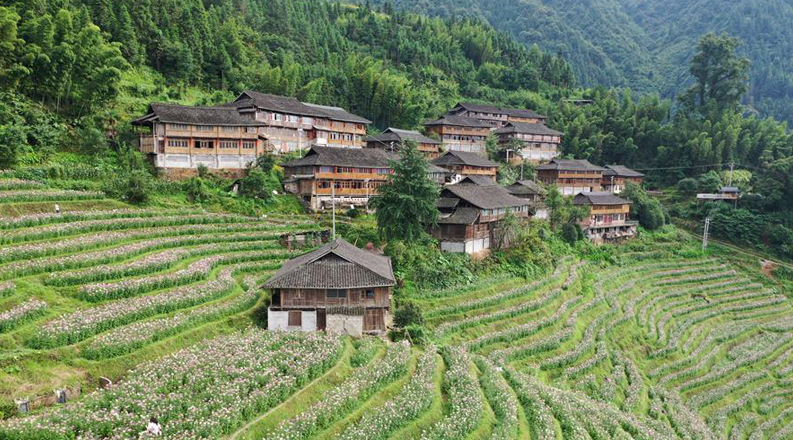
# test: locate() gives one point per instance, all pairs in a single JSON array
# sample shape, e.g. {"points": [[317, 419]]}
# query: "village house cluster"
{"points": [[340, 165]]}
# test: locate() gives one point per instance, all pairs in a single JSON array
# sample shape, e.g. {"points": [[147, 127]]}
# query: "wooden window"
{"points": [[228, 144], [308, 120], [367, 294], [336, 293], [205, 128], [295, 318], [277, 117], [204, 144], [248, 145], [250, 130], [181, 127], [230, 128], [292, 118], [178, 143]]}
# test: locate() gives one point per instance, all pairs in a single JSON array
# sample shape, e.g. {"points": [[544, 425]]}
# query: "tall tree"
{"points": [[405, 204], [721, 75]]}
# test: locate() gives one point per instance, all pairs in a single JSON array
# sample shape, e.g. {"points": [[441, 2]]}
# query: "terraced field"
{"points": [[663, 343]]}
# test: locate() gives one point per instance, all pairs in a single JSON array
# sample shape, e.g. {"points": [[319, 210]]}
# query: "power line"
{"points": [[683, 167]]}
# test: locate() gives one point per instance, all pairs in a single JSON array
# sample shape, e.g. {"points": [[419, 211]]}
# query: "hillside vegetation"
{"points": [[644, 44]]}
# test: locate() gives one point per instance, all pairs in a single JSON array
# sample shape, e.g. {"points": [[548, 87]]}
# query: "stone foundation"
{"points": [[186, 173]]}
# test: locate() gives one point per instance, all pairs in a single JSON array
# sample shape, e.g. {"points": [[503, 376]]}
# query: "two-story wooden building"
{"points": [[533, 142], [180, 138], [338, 288], [534, 193], [471, 214], [392, 140], [291, 125], [496, 117], [350, 175], [616, 178], [467, 164], [608, 218], [460, 133], [571, 176]]}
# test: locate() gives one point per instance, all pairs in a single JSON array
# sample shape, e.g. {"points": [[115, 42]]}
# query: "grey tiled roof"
{"points": [[482, 108], [336, 265], [463, 158], [599, 198], [477, 180], [345, 157], [485, 197], [397, 135], [528, 128], [569, 164], [287, 104], [525, 187], [621, 170], [184, 114], [459, 121], [461, 216]]}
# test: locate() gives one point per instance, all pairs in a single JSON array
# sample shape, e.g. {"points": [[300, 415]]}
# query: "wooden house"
{"points": [[351, 176], [571, 176], [470, 216], [608, 218], [180, 138], [496, 117], [393, 138], [616, 178], [292, 125], [467, 164], [533, 142], [459, 133], [338, 288], [534, 193]]}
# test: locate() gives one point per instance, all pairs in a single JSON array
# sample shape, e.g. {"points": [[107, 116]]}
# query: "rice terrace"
{"points": [[664, 342]]}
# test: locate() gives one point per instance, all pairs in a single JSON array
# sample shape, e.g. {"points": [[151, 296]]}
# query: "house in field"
{"points": [[496, 117], [726, 193], [291, 125], [393, 138], [460, 133], [471, 214], [616, 178], [532, 142], [181, 138], [571, 176], [350, 176], [608, 217], [467, 164], [338, 288]]}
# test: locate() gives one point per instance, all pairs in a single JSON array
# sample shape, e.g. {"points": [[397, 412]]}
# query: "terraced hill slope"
{"points": [[662, 343]]}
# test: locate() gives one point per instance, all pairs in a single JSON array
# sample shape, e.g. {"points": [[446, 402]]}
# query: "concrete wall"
{"points": [[469, 247], [279, 320], [211, 161], [344, 325]]}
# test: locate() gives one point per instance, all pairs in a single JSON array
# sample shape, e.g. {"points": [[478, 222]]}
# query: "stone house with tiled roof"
{"points": [[392, 140], [338, 288]]}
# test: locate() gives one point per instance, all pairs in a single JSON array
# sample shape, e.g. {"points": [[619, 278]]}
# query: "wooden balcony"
{"points": [[351, 300], [354, 192], [147, 144], [350, 176]]}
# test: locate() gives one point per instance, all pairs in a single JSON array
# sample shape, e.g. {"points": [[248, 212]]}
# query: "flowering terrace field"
{"points": [[661, 343]]}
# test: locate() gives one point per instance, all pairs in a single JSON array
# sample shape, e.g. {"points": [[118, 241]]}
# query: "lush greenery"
{"points": [[643, 44]]}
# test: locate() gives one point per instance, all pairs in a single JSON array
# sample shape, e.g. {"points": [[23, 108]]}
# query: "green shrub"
{"points": [[687, 185], [408, 313]]}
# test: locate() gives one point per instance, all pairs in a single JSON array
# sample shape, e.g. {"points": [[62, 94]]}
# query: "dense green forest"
{"points": [[74, 73], [645, 44]]}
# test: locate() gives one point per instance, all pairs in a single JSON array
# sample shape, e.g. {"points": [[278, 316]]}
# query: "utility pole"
{"points": [[521, 170], [732, 165], [705, 234], [333, 203]]}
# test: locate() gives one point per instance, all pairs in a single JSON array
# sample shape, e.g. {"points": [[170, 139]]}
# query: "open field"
{"points": [[663, 342]]}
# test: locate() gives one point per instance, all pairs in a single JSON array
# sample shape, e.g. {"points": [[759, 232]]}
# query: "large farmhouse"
{"points": [[338, 288], [608, 217], [571, 176]]}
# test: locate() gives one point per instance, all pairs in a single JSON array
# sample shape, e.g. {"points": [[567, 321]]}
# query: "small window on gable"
{"points": [[368, 294], [337, 293]]}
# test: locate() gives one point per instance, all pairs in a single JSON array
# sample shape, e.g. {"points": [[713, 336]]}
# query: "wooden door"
{"points": [[295, 318], [373, 320], [321, 321]]}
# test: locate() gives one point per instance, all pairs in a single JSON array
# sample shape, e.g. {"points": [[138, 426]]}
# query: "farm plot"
{"points": [[88, 293]]}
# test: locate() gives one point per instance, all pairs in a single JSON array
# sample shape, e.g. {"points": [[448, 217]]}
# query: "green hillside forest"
{"points": [[644, 44]]}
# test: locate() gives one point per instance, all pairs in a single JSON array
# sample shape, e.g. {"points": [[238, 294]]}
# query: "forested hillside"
{"points": [[645, 44]]}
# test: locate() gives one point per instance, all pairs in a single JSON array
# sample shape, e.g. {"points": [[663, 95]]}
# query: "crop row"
{"points": [[464, 398], [119, 224], [124, 252], [341, 400], [695, 278], [488, 301], [686, 422], [13, 184], [197, 270], [74, 244], [587, 341], [7, 288], [501, 399], [767, 426], [365, 350], [540, 418], [201, 392], [415, 398], [55, 195], [129, 338], [45, 218], [712, 395], [82, 324], [718, 421], [21, 313], [150, 263]]}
